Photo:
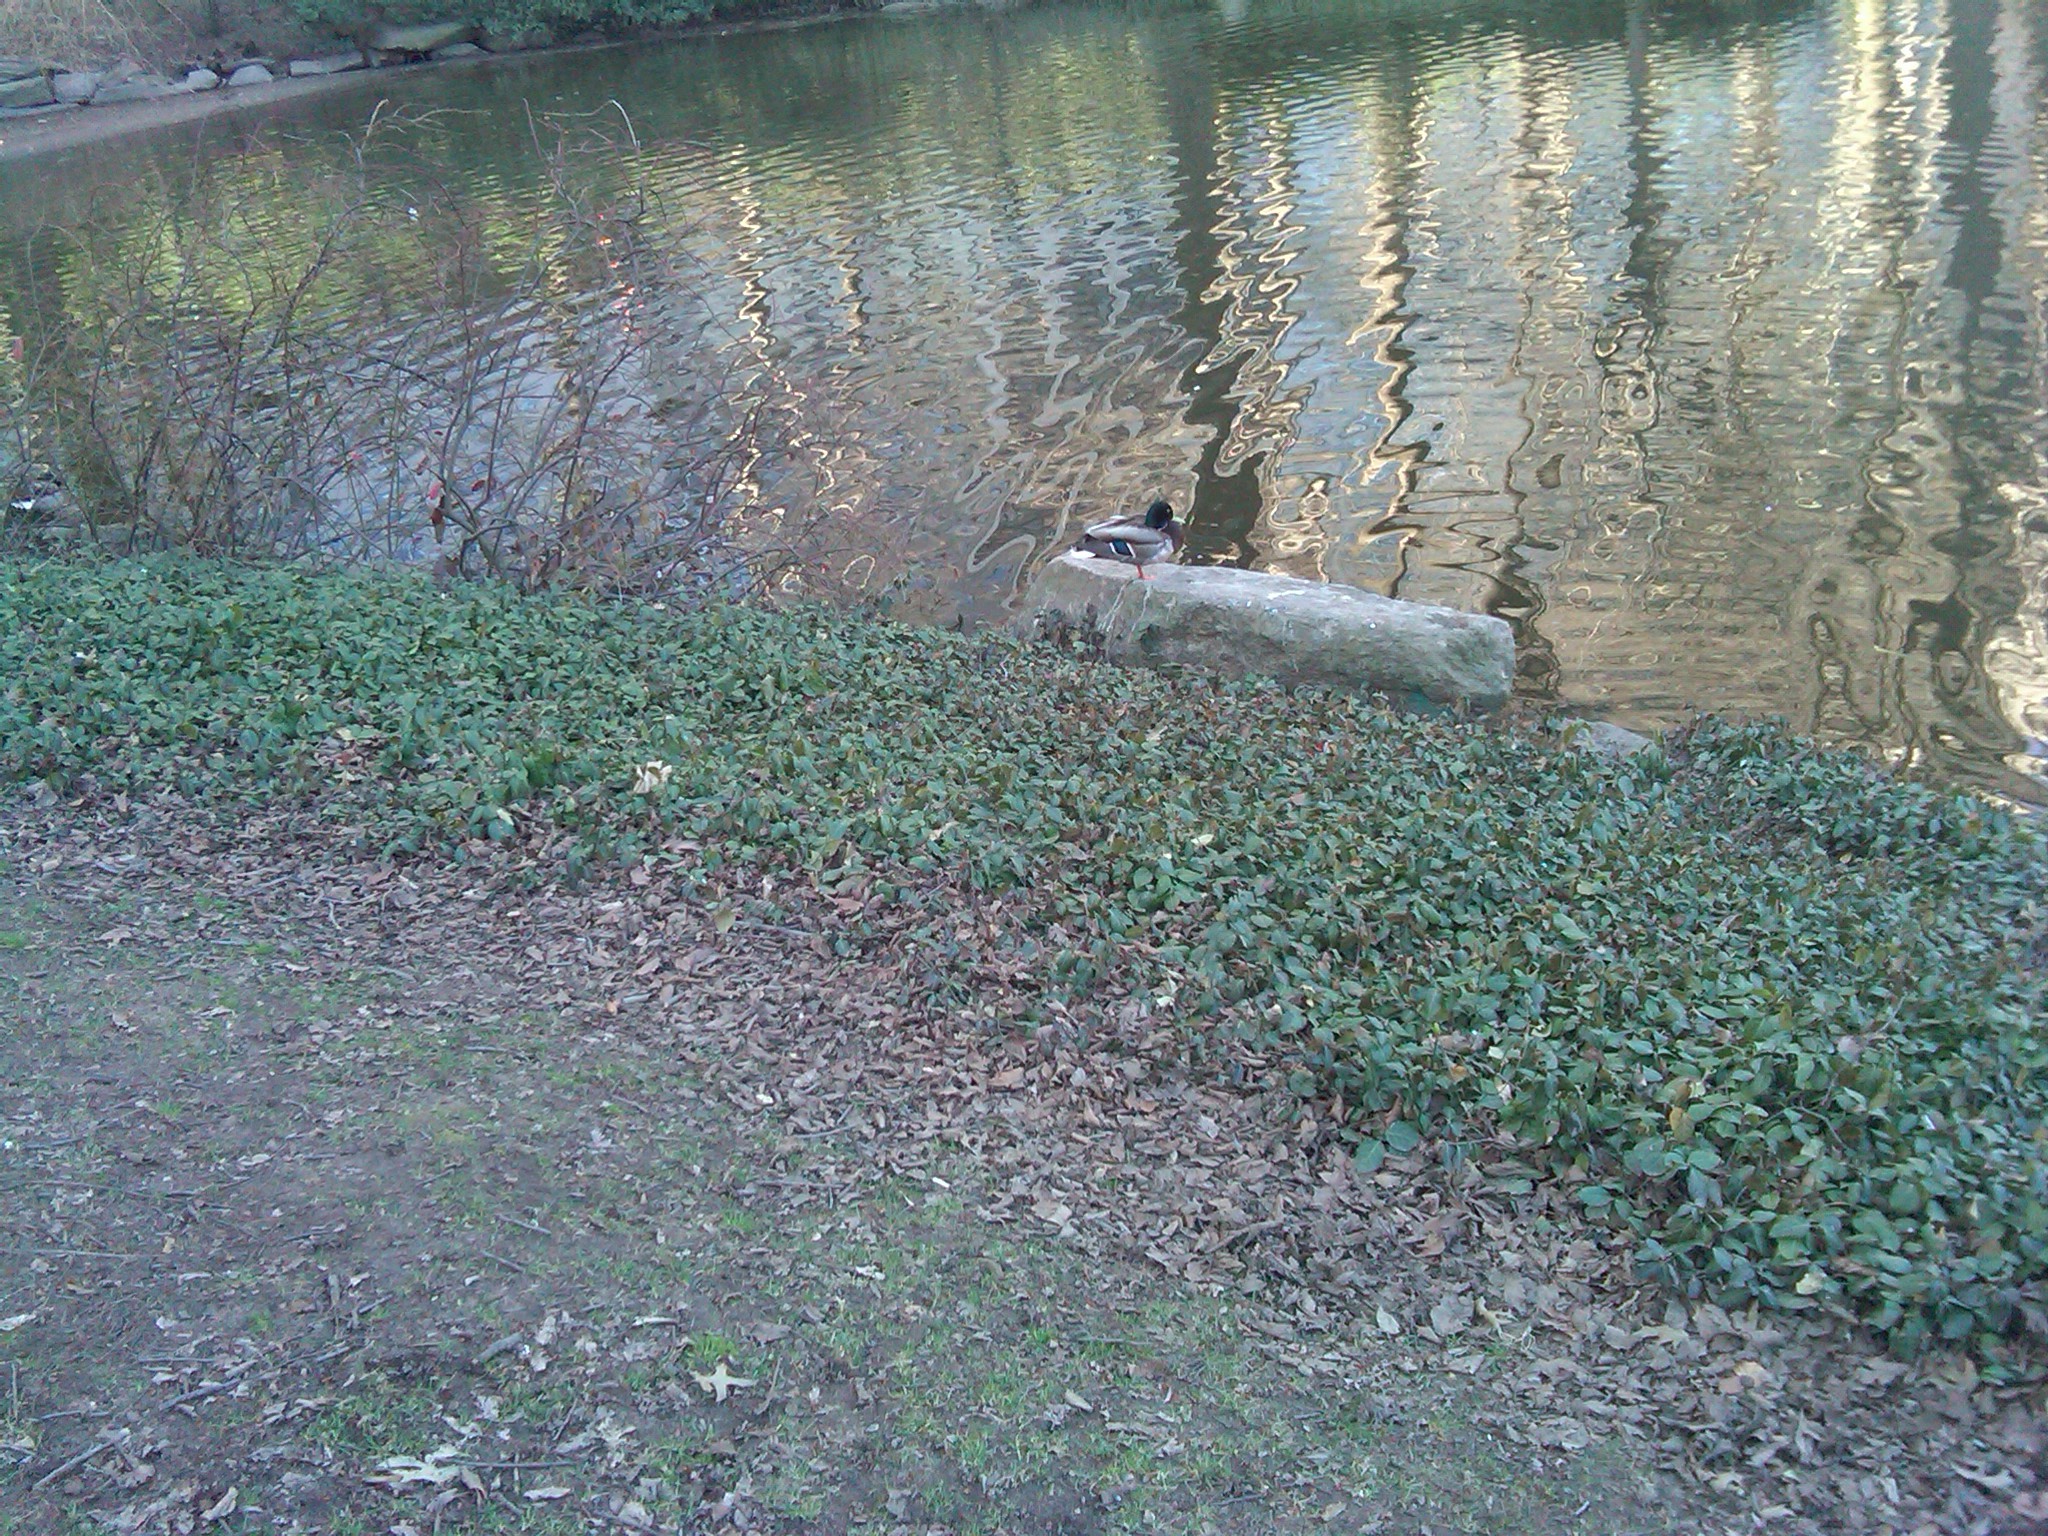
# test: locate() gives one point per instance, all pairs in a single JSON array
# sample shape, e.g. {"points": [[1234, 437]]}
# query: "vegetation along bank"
{"points": [[1769, 1014], [56, 55]]}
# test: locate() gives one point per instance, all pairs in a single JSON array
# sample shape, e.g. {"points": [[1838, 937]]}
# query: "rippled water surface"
{"points": [[1706, 344]]}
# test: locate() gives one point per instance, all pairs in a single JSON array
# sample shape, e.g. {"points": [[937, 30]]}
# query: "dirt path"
{"points": [[340, 1198]]}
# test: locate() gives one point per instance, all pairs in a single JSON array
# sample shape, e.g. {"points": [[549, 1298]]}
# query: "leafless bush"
{"points": [[524, 387], [69, 31]]}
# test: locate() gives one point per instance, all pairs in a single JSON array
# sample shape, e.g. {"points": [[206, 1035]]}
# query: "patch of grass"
{"points": [[1765, 1010], [740, 1222], [711, 1346], [379, 1417], [677, 1456], [789, 1492]]}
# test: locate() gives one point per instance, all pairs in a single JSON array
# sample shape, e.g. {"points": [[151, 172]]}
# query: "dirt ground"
{"points": [[343, 1197]]}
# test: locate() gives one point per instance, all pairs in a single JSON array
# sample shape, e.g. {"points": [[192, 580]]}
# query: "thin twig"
{"points": [[519, 1466], [208, 1388], [105, 1443]]}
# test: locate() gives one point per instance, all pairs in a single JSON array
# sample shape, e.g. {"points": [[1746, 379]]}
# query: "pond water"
{"points": [[1708, 345]]}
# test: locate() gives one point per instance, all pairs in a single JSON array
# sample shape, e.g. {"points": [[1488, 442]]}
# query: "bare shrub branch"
{"points": [[70, 30], [536, 394]]}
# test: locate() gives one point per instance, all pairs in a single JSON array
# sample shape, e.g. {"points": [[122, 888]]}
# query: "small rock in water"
{"points": [[201, 80], [251, 74], [75, 85]]}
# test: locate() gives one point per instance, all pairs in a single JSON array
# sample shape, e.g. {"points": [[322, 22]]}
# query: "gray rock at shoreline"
{"points": [[1607, 739], [333, 64], [138, 87], [456, 51], [29, 91], [1253, 624], [419, 41], [19, 69], [76, 85], [201, 80], [251, 74]]}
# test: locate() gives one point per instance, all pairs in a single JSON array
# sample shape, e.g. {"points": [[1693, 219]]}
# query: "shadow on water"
{"points": [[1705, 342]]}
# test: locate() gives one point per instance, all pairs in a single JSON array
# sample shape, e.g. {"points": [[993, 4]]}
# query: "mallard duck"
{"points": [[38, 494], [1135, 541]]}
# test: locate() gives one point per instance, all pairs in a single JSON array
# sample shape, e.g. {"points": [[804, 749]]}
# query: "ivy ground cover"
{"points": [[1771, 1013]]}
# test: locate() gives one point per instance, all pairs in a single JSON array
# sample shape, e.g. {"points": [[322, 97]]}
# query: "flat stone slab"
{"points": [[333, 64], [1254, 624], [31, 91], [137, 88], [421, 39]]}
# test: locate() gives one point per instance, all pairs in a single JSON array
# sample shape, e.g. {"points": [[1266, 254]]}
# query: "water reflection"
{"points": [[1708, 344]]}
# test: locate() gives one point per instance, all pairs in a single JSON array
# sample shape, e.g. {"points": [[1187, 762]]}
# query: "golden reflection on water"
{"points": [[1707, 343]]}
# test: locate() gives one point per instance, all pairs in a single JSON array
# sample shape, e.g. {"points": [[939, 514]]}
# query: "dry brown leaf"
{"points": [[435, 1470], [1747, 1375], [1451, 1315], [721, 1383]]}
